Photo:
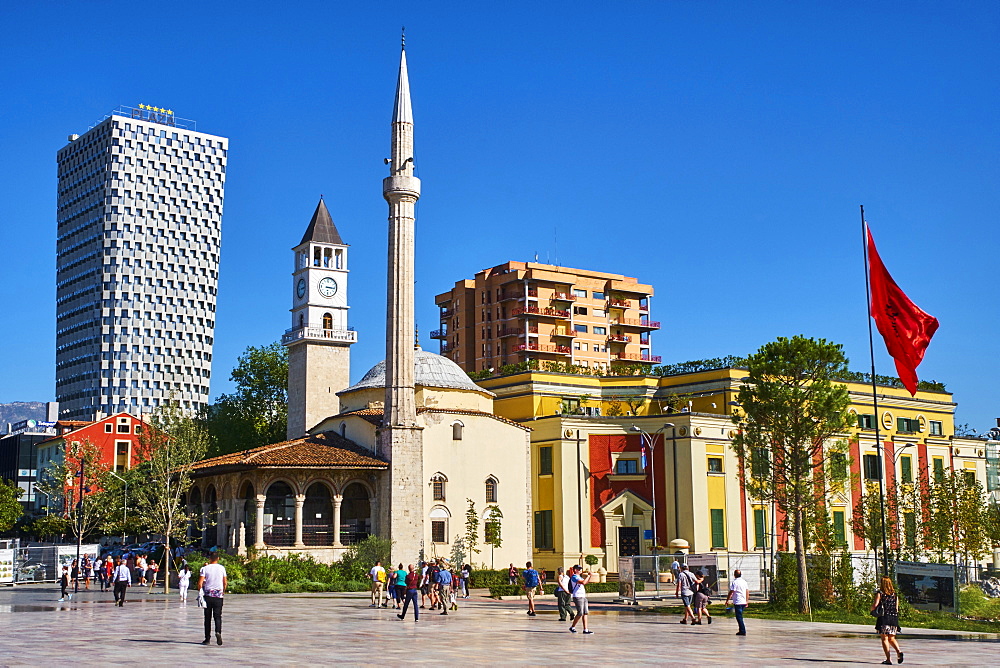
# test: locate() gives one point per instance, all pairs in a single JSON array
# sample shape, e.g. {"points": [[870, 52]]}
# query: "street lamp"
{"points": [[652, 444], [125, 503]]}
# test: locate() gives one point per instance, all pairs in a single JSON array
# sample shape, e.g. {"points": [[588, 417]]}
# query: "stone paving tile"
{"points": [[322, 629]]}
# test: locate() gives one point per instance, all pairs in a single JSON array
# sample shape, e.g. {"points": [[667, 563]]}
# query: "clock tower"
{"points": [[319, 341]]}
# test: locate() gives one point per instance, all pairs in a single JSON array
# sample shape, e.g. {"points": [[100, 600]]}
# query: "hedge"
{"points": [[496, 591]]}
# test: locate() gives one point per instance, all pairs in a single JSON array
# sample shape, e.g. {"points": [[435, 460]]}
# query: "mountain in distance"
{"points": [[16, 411]]}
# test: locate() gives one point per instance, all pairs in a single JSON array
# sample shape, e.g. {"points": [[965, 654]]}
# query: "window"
{"points": [[600, 313], [545, 460], [910, 529], [600, 330], [438, 483], [936, 429], [627, 467], [598, 295], [124, 428], [839, 527], [759, 528], [580, 310], [439, 533], [543, 530], [970, 477], [715, 464], [873, 468], [327, 321], [108, 428], [718, 527], [122, 455], [760, 463], [866, 421], [838, 465], [907, 425], [491, 490], [906, 469], [579, 293], [580, 328], [456, 431], [939, 469]]}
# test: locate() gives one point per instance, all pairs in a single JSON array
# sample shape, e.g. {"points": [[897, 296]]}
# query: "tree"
{"points": [[60, 482], [471, 529], [791, 409], [10, 507], [257, 412], [958, 518], [49, 526], [168, 448], [492, 528]]}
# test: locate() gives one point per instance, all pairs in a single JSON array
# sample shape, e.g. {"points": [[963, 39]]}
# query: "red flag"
{"points": [[906, 329]]}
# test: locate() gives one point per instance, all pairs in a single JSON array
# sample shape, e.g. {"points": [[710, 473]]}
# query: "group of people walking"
{"points": [[436, 582]]}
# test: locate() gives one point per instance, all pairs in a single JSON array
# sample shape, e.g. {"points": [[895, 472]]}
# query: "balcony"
{"points": [[619, 338], [446, 313], [542, 348], [636, 322], [532, 292], [541, 311], [439, 333], [563, 331], [618, 302], [637, 357], [445, 347], [563, 297], [319, 334]]}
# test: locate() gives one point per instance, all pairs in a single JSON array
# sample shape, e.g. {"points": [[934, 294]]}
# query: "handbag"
{"points": [[879, 610], [201, 599]]}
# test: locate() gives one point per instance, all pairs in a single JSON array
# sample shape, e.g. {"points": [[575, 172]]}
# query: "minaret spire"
{"points": [[400, 437]]}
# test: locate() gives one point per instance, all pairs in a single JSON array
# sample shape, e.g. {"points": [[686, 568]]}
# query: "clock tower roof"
{"points": [[321, 228]]}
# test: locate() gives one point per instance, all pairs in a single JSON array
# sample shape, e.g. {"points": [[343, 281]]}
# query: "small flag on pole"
{"points": [[643, 457], [906, 329]]}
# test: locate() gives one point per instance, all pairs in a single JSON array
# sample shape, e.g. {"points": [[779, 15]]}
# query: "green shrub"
{"points": [[360, 558], [496, 591], [482, 579]]}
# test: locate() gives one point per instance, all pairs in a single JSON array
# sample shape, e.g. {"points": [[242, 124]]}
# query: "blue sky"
{"points": [[718, 150]]}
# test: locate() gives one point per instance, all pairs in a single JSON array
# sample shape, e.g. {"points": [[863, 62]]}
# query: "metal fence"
{"points": [[650, 577]]}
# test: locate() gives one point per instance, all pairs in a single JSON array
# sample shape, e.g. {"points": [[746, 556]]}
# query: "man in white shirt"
{"points": [[578, 589], [685, 590], [212, 584], [739, 594], [377, 577], [563, 595], [121, 580]]}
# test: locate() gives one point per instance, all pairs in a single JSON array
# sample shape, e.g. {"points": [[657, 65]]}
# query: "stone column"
{"points": [[206, 509], [337, 500], [259, 535], [299, 500]]}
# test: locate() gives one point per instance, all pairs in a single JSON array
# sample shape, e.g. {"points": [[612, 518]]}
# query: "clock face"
{"points": [[328, 287], [300, 288]]}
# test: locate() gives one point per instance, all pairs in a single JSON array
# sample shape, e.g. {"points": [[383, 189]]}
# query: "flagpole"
{"points": [[878, 439]]}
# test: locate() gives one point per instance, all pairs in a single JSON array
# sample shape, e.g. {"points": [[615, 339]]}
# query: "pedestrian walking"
{"points": [[578, 589], [413, 579], [739, 595], [675, 569], [702, 597], [63, 583], [121, 579], [74, 570], [377, 577], [466, 574], [443, 580], [685, 590], [530, 576], [184, 582], [512, 575], [400, 583], [140, 569], [152, 570], [886, 611], [563, 596], [99, 571], [425, 590], [212, 583], [109, 567]]}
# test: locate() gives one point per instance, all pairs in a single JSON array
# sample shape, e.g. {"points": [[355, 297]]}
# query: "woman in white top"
{"points": [[184, 581]]}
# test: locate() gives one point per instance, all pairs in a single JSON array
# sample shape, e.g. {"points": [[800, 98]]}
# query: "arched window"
{"points": [[438, 482], [327, 321], [456, 430], [343, 429], [355, 514], [302, 321], [279, 515], [439, 524], [317, 516], [491, 490]]}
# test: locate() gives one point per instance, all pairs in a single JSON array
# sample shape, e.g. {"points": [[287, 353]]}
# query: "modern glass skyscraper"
{"points": [[139, 225]]}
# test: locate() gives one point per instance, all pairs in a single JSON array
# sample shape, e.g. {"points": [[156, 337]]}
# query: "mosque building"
{"points": [[403, 454]]}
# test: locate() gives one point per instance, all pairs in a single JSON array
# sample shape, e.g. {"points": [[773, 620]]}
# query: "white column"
{"points": [[299, 500], [337, 500], [259, 534]]}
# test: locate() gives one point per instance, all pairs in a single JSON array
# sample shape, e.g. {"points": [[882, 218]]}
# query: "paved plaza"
{"points": [[322, 629]]}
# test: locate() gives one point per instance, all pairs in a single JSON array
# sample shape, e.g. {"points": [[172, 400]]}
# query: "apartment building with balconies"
{"points": [[519, 311]]}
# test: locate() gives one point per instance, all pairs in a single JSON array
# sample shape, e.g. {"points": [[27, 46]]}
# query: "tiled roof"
{"points": [[325, 450], [374, 415]]}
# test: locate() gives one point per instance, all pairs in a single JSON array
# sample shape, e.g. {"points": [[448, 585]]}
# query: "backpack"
{"points": [[531, 578], [704, 588]]}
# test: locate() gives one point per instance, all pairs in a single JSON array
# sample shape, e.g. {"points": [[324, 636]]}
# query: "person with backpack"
{"points": [[530, 576], [377, 577], [702, 597]]}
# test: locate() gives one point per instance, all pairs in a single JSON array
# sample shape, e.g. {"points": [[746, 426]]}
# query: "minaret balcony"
{"points": [[319, 334]]}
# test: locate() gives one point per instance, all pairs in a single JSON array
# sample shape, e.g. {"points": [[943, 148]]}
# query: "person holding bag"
{"points": [[885, 609]]}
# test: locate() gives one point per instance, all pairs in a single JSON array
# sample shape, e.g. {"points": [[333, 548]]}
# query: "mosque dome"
{"points": [[430, 370]]}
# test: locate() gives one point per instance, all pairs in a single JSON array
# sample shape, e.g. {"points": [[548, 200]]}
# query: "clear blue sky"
{"points": [[718, 150]]}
